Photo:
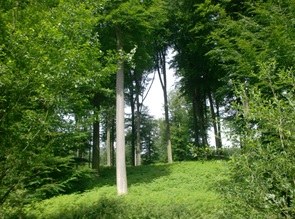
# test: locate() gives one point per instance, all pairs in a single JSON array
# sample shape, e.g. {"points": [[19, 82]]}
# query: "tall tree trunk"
{"points": [[95, 148], [162, 68], [132, 105], [89, 155], [79, 152], [204, 119], [168, 133], [149, 148], [200, 110], [121, 176], [138, 121], [196, 122], [112, 142], [199, 117], [108, 142], [214, 120], [218, 124]]}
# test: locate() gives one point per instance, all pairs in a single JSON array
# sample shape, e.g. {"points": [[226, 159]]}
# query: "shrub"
{"points": [[262, 177], [210, 153]]}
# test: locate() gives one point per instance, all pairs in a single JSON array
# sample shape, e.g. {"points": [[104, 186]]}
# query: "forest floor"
{"points": [[179, 190]]}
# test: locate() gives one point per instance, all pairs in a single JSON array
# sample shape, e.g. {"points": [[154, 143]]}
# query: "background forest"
{"points": [[69, 68]]}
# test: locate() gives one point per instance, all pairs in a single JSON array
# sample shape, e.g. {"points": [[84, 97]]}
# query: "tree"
{"points": [[190, 29], [181, 125], [130, 22], [120, 123], [49, 70], [263, 176], [137, 81], [121, 19], [215, 120], [148, 137], [161, 68], [252, 47], [161, 45]]}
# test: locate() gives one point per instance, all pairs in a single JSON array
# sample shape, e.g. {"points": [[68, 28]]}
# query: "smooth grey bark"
{"points": [[218, 123], [108, 143], [162, 68], [215, 121], [112, 142], [121, 175], [138, 122]]}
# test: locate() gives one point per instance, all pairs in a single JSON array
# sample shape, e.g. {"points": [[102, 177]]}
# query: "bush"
{"points": [[73, 180], [210, 153], [262, 177]]}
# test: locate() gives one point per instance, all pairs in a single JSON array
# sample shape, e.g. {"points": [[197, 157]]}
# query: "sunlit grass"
{"points": [[180, 190]]}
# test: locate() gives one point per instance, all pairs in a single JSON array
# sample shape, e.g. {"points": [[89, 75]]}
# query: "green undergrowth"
{"points": [[180, 190]]}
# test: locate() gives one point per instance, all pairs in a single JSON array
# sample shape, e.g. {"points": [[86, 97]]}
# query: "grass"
{"points": [[180, 190]]}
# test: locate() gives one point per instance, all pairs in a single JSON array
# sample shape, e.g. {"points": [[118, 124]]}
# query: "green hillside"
{"points": [[180, 190]]}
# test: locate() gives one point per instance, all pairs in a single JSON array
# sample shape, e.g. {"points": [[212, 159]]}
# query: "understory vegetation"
{"points": [[180, 190], [262, 177]]}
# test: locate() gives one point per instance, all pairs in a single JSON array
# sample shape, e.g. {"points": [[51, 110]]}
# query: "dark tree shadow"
{"points": [[135, 175]]}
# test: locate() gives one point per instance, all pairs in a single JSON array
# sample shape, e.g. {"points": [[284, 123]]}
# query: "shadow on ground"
{"points": [[135, 175]]}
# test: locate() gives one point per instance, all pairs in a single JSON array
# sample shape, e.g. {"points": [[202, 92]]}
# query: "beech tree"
{"points": [[161, 43], [120, 123], [129, 22], [49, 72], [251, 45], [181, 125], [161, 68]]}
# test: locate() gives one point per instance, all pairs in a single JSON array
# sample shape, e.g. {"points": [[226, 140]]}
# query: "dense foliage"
{"points": [[235, 60], [261, 181], [254, 44], [49, 72]]}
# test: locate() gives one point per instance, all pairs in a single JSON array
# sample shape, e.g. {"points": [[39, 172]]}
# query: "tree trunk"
{"points": [[196, 122], [108, 143], [214, 120], [204, 119], [162, 65], [112, 142], [218, 124], [149, 147], [168, 133], [200, 110], [132, 105], [138, 140], [79, 152], [95, 148], [121, 176]]}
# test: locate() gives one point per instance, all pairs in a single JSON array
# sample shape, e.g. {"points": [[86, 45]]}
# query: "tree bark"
{"points": [[95, 148], [200, 110], [108, 143], [138, 121], [196, 122], [121, 176], [112, 142], [204, 119], [162, 68], [132, 106], [214, 121], [218, 124]]}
